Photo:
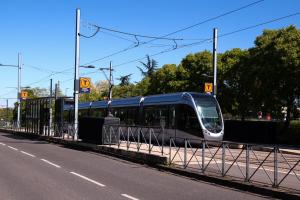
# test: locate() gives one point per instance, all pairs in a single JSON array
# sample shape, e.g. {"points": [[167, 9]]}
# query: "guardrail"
{"points": [[142, 138], [251, 163]]}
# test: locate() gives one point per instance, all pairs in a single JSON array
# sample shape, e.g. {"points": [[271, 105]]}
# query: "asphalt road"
{"points": [[32, 169]]}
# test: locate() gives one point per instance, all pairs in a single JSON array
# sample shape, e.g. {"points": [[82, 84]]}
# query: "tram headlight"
{"points": [[206, 132]]}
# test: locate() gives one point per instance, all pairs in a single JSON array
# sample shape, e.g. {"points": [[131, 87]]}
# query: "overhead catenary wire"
{"points": [[177, 31], [153, 38], [186, 45], [210, 39]]}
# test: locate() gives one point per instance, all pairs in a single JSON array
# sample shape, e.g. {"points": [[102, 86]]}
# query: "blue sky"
{"points": [[44, 32]]}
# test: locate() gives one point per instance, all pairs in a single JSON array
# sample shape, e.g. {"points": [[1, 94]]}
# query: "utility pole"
{"points": [[50, 108], [76, 78], [110, 81], [55, 91], [19, 91], [6, 112], [215, 61]]}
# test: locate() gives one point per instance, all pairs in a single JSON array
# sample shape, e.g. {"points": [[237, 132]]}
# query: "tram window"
{"points": [[97, 112], [156, 116], [187, 119], [66, 116], [171, 117], [132, 116], [83, 113]]}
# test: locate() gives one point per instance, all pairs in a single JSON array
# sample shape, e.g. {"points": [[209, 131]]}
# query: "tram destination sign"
{"points": [[84, 85]]}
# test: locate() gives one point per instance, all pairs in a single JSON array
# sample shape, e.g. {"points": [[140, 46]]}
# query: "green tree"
{"points": [[196, 67], [276, 60], [233, 82], [150, 66], [167, 79], [124, 80]]}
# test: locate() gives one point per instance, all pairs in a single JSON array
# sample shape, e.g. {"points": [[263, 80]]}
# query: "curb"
{"points": [[160, 163]]}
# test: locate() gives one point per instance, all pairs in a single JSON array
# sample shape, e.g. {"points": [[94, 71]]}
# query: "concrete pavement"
{"points": [[32, 169]]}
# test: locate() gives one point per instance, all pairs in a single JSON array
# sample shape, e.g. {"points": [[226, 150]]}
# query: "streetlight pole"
{"points": [[19, 91], [215, 61], [110, 81], [76, 78], [18, 87]]}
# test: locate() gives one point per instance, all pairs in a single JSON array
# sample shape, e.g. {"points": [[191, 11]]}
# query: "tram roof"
{"points": [[99, 104], [159, 99], [172, 98], [84, 105], [132, 101]]}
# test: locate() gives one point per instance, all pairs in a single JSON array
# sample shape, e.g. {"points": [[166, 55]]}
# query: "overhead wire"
{"points": [[210, 39], [180, 30], [153, 38]]}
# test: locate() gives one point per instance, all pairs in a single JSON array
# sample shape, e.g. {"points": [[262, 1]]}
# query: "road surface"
{"points": [[32, 169]]}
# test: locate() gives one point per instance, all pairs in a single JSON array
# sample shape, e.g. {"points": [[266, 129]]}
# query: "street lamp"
{"points": [[109, 79], [88, 66], [18, 86], [110, 86]]}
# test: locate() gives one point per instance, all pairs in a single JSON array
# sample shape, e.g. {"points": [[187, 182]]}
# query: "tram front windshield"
{"points": [[210, 113]]}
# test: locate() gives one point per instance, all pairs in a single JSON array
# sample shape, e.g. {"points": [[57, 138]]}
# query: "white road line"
{"points": [[2, 144], [86, 178], [129, 197], [28, 154], [13, 148], [51, 163]]}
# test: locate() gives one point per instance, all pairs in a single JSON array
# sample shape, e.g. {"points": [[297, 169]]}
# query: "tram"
{"points": [[185, 114]]}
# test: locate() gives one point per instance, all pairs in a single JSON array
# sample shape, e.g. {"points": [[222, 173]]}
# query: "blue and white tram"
{"points": [[184, 114]]}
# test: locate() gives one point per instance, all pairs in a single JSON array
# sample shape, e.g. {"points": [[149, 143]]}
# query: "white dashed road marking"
{"points": [[88, 179], [13, 148], [51, 163], [2, 144], [28, 154], [129, 197]]}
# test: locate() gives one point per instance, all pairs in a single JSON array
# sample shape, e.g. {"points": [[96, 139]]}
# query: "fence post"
{"points": [[128, 138], [203, 155], [149, 141], [110, 130], [185, 151], [170, 151], [223, 158], [247, 162], [119, 135], [163, 141], [139, 139], [275, 167]]}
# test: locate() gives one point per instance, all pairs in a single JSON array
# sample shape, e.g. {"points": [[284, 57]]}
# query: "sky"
{"points": [[44, 33]]}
